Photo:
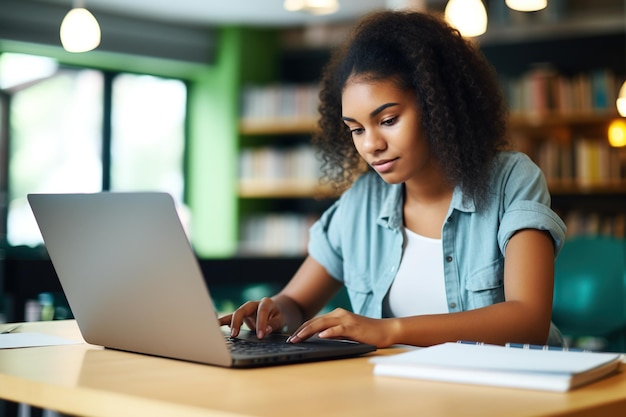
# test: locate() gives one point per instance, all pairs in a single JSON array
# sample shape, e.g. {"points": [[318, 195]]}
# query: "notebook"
{"points": [[133, 283], [546, 370]]}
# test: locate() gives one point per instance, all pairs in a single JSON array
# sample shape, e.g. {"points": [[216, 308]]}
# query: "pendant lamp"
{"points": [[80, 31], [468, 16], [527, 5], [621, 101], [317, 7], [621, 97]]}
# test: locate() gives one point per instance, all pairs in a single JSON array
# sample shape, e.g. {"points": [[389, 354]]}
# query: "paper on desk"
{"points": [[23, 340]]}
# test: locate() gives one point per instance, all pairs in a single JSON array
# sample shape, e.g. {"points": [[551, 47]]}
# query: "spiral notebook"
{"points": [[547, 370]]}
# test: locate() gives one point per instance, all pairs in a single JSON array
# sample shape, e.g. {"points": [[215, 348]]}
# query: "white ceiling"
{"points": [[245, 12]]}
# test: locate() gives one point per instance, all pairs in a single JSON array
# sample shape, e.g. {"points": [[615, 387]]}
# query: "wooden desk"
{"points": [[87, 380]]}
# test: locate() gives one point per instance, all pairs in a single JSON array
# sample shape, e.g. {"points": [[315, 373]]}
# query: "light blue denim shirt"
{"points": [[359, 239]]}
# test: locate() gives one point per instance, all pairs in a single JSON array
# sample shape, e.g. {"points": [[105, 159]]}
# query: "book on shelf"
{"points": [[586, 162], [279, 101], [276, 234], [471, 363], [544, 90], [270, 162]]}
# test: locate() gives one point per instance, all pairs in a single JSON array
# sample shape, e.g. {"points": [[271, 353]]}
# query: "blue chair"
{"points": [[590, 290]]}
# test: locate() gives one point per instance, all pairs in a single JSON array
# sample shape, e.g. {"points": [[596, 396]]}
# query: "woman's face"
{"points": [[385, 124]]}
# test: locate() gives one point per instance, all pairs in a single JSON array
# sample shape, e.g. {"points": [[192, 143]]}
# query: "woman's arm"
{"points": [[304, 296], [308, 291], [524, 317]]}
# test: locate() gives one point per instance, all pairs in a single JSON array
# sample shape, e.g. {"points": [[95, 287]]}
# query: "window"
{"points": [[66, 136], [147, 146]]}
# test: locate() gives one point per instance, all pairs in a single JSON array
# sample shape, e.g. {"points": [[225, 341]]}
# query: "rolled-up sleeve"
{"points": [[526, 203], [531, 215], [324, 242]]}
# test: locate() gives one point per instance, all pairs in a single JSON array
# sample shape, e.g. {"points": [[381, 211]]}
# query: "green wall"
{"points": [[212, 151], [244, 55]]}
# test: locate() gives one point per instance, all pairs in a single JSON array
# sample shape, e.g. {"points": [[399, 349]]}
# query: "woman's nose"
{"points": [[373, 142]]}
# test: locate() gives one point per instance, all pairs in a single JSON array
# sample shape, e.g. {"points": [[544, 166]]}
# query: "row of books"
{"points": [[544, 90], [539, 91], [582, 223], [270, 162], [275, 234], [279, 101], [585, 162]]}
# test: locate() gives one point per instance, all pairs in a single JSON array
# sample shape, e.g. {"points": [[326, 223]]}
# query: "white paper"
{"points": [[23, 340]]}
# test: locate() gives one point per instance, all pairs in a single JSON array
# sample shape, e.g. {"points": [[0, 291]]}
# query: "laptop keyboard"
{"points": [[248, 347]]}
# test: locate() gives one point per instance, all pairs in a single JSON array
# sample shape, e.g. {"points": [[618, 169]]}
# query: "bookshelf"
{"points": [[276, 158], [560, 115], [278, 172], [561, 69]]}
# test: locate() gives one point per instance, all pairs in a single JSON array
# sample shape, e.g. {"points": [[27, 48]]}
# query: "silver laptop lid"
{"points": [[129, 274]]}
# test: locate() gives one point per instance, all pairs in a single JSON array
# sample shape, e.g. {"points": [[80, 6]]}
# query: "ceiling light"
{"points": [[80, 31], [468, 16], [317, 7], [527, 5]]}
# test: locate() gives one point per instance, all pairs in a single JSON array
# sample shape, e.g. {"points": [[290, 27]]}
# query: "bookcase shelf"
{"points": [[278, 126], [569, 142], [279, 191], [283, 188], [525, 121], [561, 188]]}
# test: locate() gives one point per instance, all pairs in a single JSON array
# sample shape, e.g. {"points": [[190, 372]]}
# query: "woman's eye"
{"points": [[356, 131], [389, 121]]}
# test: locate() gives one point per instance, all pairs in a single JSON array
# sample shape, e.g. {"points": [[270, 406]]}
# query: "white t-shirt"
{"points": [[419, 286]]}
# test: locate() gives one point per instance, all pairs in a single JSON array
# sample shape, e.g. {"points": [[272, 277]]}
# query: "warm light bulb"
{"points": [[80, 31], [317, 7], [468, 16], [617, 133], [527, 5], [621, 101]]}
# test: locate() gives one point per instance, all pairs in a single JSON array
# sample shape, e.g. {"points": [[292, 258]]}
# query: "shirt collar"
{"points": [[391, 212], [462, 202]]}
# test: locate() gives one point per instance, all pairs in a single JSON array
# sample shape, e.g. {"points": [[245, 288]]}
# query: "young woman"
{"points": [[445, 235]]}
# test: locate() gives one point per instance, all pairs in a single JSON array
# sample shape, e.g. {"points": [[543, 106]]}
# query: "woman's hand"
{"points": [[342, 324], [305, 295], [262, 316]]}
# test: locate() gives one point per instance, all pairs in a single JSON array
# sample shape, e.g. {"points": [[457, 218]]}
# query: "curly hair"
{"points": [[463, 109]]}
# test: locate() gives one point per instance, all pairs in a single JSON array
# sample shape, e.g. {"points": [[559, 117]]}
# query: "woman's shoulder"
{"points": [[507, 161], [513, 157], [515, 174]]}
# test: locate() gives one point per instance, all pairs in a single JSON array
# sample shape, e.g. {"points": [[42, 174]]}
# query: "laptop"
{"points": [[133, 283]]}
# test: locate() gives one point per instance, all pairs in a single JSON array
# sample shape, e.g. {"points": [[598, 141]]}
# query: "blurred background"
{"points": [[215, 102]]}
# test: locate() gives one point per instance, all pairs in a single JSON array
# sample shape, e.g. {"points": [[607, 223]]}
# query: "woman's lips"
{"points": [[384, 165]]}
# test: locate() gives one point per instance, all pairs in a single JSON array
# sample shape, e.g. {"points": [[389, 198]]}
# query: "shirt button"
{"points": [[452, 305], [448, 258]]}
